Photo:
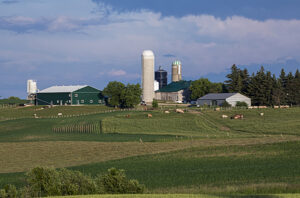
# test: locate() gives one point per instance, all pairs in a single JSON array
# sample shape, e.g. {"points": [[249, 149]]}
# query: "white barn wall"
{"points": [[238, 98]]}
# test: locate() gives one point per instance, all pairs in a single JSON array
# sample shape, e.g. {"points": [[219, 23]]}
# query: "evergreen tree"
{"points": [[283, 80], [234, 82], [277, 91], [296, 85], [245, 81], [289, 89]]}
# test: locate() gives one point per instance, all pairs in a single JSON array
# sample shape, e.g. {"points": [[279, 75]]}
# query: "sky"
{"points": [[92, 42]]}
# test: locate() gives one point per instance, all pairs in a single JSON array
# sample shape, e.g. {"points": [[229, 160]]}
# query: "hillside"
{"points": [[195, 152]]}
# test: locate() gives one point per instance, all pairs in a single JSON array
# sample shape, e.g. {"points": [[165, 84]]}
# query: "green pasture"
{"points": [[262, 168], [252, 169], [184, 196]]}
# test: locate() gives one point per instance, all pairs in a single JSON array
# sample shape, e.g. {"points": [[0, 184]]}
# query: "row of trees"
{"points": [[123, 96], [264, 88], [43, 182]]}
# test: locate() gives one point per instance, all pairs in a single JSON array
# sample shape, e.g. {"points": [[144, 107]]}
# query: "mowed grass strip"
{"points": [[183, 196], [22, 156]]}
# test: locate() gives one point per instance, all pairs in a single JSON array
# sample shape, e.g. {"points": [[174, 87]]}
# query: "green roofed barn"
{"points": [[69, 95], [175, 91]]}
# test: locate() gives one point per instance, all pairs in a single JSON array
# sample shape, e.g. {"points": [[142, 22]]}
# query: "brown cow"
{"points": [[149, 115], [237, 116], [127, 116]]}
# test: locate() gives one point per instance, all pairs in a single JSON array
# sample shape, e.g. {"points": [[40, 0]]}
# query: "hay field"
{"points": [[196, 152]]}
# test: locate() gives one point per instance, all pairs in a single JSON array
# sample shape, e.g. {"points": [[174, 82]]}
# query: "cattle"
{"points": [[127, 116], [284, 106], [149, 115], [59, 114], [179, 111], [217, 109], [262, 107], [261, 114], [250, 107], [276, 107], [167, 111], [237, 116], [224, 116], [35, 116]]}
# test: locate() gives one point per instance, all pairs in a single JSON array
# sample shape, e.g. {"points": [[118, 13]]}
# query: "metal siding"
{"points": [[87, 94], [238, 97], [46, 98]]}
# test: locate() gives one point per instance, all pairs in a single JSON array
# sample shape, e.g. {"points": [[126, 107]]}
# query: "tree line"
{"points": [[264, 88]]}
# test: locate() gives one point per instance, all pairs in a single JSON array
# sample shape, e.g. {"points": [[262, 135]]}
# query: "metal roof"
{"points": [[176, 86], [217, 96], [62, 89]]}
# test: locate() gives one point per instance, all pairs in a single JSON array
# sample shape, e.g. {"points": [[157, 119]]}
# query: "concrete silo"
{"points": [[176, 71], [148, 76]]}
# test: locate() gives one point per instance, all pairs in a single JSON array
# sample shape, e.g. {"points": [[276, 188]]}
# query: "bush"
{"points": [[115, 182], [154, 104], [241, 104], [225, 104], [9, 191], [44, 181]]}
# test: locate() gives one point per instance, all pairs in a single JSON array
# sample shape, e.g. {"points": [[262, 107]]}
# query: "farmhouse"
{"points": [[69, 95], [217, 99], [175, 91]]}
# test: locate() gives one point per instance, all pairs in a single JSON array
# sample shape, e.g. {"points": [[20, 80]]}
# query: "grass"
{"points": [[184, 196], [22, 156], [252, 169], [196, 152]]}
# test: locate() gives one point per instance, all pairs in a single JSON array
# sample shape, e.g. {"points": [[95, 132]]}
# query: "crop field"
{"points": [[183, 196], [194, 152]]}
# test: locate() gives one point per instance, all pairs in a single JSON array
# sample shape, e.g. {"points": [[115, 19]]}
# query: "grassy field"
{"points": [[189, 196], [183, 196], [195, 152]]}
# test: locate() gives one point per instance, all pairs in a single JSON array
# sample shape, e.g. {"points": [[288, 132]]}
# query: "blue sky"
{"points": [[93, 42]]}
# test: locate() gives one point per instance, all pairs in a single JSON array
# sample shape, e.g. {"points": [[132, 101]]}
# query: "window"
{"points": [[82, 101], [76, 95], [91, 101]]}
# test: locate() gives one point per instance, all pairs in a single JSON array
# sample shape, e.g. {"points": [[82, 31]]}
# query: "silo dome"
{"points": [[148, 53], [177, 62]]}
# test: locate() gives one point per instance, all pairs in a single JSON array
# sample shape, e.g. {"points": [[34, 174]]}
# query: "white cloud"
{"points": [[110, 39], [117, 73]]}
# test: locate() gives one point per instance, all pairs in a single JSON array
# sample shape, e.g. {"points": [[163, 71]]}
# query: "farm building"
{"points": [[69, 95], [175, 91], [217, 99]]}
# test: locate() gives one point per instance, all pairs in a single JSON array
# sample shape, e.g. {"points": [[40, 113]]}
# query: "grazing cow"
{"points": [[167, 111], [276, 107], [250, 107], [284, 106], [35, 116], [224, 116], [179, 111], [262, 107], [217, 109], [59, 114], [149, 115], [237, 116], [127, 116], [261, 114]]}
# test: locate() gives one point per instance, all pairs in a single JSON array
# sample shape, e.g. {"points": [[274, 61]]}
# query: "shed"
{"points": [[69, 95], [175, 91], [217, 99]]}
